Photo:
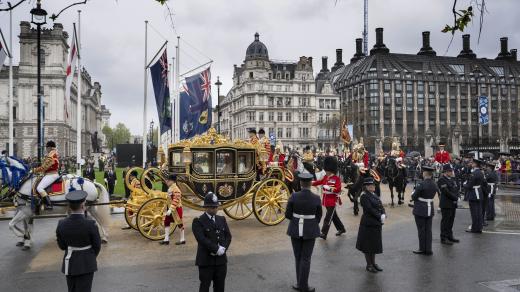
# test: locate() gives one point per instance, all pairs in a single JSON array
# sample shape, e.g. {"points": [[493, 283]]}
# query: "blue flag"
{"points": [[483, 110], [195, 105], [159, 72]]}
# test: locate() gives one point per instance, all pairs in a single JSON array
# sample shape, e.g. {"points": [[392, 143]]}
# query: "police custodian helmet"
{"points": [[330, 163], [210, 200]]}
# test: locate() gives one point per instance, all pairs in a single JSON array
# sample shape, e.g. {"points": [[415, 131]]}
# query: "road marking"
{"points": [[502, 232]]}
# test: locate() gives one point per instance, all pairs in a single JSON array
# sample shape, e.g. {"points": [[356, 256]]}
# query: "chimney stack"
{"points": [[426, 48], [466, 48], [339, 60], [310, 61], [379, 47], [359, 51], [504, 53], [514, 55], [324, 64]]}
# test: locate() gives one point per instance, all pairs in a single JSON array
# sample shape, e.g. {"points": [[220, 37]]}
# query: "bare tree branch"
{"points": [[11, 7], [54, 16]]}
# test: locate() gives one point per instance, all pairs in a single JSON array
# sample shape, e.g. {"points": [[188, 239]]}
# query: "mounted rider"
{"points": [[49, 168], [264, 141], [442, 156], [360, 155]]}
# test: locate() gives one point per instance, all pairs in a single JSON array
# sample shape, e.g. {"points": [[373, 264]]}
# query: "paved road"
{"points": [[260, 259]]}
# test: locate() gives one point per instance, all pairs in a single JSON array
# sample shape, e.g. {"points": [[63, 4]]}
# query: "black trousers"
{"points": [[424, 230], [477, 221], [448, 217], [215, 274], [111, 189], [490, 211], [485, 203], [302, 249], [331, 215], [80, 283]]}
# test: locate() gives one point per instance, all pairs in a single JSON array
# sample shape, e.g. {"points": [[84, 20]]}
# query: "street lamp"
{"points": [[39, 18], [218, 83], [476, 74]]}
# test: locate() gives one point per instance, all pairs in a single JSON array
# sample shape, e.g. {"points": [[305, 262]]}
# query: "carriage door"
{"points": [[226, 174]]}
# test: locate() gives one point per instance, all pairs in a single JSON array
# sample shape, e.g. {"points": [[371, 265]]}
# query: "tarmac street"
{"points": [[260, 258]]}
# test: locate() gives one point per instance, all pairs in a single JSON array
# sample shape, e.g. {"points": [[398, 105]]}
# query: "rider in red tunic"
{"points": [[442, 156]]}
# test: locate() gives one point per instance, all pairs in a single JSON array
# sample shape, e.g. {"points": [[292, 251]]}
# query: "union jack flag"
{"points": [[206, 84]]}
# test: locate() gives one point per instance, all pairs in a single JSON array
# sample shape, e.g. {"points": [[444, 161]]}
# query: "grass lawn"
{"points": [[119, 189]]}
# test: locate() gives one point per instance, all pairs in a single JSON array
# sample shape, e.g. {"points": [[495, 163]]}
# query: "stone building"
{"points": [[281, 97], [424, 99], [57, 125]]}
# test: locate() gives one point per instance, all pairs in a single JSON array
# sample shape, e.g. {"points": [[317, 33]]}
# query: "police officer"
{"points": [[423, 210], [474, 193], [79, 238], [213, 238], [492, 182], [449, 195], [304, 212]]}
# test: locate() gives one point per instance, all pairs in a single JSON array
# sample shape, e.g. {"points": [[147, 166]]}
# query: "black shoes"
{"points": [[180, 242], [471, 231], [454, 240], [295, 287], [446, 241], [164, 243], [371, 269], [427, 253], [310, 289], [323, 236], [378, 268], [418, 252], [340, 232]]}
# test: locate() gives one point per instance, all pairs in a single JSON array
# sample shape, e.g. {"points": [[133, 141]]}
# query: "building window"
{"points": [[14, 112], [497, 70], [270, 101], [322, 103], [279, 101], [250, 100], [333, 104], [261, 116], [278, 75], [288, 101], [320, 118], [373, 85], [271, 117], [387, 85], [398, 86], [279, 132], [250, 75], [271, 131], [270, 76], [288, 133], [457, 69], [288, 117], [304, 117], [280, 117], [304, 132]]}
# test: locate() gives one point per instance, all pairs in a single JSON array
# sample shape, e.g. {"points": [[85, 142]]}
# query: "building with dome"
{"points": [[283, 98]]}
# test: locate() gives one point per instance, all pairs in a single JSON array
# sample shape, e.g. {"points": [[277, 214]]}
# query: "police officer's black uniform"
{"points": [[423, 210], [211, 232], [492, 182], [474, 192], [79, 238], [304, 212], [449, 195], [111, 178]]}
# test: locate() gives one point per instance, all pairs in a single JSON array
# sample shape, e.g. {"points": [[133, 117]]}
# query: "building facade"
{"points": [[58, 126], [281, 97], [423, 99]]}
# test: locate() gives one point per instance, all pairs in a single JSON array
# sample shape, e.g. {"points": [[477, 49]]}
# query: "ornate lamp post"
{"points": [[477, 73], [218, 83], [39, 18]]}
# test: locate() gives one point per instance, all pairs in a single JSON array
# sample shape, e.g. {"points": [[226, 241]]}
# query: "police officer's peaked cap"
{"points": [[447, 167], [368, 181], [305, 176], [252, 131], [172, 177], [51, 144], [330, 163], [261, 131], [428, 168], [77, 196], [210, 200]]}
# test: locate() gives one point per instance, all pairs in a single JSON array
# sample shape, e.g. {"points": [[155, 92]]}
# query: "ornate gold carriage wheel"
{"points": [[270, 201], [150, 219], [242, 208]]}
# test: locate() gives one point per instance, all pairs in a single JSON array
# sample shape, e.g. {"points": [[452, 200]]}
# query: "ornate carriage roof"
{"points": [[211, 139]]}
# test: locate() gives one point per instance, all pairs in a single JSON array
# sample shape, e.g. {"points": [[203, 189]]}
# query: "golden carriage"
{"points": [[235, 171]]}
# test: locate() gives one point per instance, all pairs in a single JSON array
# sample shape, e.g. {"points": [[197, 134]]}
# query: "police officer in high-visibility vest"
{"points": [[475, 193], [79, 238], [423, 210]]}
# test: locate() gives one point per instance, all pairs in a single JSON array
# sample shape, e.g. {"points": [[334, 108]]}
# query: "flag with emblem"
{"points": [[71, 68], [159, 72], [195, 105], [483, 110]]}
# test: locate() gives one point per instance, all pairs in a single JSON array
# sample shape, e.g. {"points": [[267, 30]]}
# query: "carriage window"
{"points": [[245, 162], [203, 162], [225, 162], [176, 159]]}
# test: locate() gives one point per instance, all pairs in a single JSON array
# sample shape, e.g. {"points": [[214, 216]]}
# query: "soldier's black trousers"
{"points": [[485, 203], [111, 189], [424, 230], [80, 283], [490, 212], [331, 215], [448, 217], [477, 221], [302, 249], [215, 274]]}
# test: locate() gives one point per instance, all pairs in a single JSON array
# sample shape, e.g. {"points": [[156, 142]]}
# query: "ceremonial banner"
{"points": [[195, 105], [159, 72], [71, 67], [3, 52], [483, 110]]}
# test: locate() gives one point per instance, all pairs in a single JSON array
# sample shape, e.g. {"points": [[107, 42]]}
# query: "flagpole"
{"points": [[177, 90], [78, 105], [11, 105], [172, 94], [145, 89]]}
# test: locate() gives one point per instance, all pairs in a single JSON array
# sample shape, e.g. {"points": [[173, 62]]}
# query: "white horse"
{"points": [[22, 223]]}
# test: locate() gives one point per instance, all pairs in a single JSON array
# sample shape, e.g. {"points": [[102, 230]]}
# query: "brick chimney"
{"points": [[379, 47], [504, 52], [359, 51], [426, 48], [466, 48], [339, 60], [514, 55], [324, 64]]}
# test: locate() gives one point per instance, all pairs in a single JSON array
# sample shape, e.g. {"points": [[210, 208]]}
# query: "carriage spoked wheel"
{"points": [[270, 201], [150, 219], [241, 210], [152, 177], [131, 214]]}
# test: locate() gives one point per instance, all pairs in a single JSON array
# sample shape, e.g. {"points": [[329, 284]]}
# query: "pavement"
{"points": [[260, 258]]}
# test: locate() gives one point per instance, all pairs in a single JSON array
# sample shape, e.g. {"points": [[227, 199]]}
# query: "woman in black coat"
{"points": [[369, 240]]}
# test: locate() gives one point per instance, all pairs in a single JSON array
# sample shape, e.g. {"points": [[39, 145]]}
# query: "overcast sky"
{"points": [[112, 35]]}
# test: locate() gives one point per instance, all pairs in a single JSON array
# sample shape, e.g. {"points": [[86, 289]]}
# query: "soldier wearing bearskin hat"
{"points": [[331, 196]]}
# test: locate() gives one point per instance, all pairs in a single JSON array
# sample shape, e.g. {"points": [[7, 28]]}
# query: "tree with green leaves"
{"points": [[118, 135]]}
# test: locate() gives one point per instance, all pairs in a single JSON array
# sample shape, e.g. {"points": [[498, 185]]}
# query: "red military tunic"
{"points": [[330, 197], [442, 157], [50, 163]]}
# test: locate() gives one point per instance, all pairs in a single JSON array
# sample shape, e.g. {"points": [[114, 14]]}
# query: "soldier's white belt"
{"points": [[70, 250], [429, 202], [477, 191], [492, 189], [301, 220]]}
